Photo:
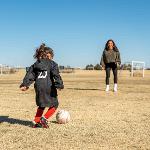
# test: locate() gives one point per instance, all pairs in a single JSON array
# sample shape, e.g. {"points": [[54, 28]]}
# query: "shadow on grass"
{"points": [[15, 121], [86, 89]]}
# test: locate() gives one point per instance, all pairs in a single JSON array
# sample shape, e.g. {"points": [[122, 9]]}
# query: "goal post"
{"points": [[5, 69], [1, 69], [137, 66]]}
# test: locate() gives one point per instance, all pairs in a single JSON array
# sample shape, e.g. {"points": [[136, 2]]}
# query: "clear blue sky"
{"points": [[76, 29]]}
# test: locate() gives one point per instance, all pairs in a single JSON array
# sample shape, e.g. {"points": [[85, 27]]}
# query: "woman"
{"points": [[110, 60]]}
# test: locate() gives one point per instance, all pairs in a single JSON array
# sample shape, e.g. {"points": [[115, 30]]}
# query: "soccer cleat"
{"points": [[44, 122], [37, 125], [107, 88]]}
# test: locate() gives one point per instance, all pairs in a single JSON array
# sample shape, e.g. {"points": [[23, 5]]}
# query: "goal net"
{"points": [[5, 69], [137, 68]]}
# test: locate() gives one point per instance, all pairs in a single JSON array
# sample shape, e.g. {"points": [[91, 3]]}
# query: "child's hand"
{"points": [[23, 88]]}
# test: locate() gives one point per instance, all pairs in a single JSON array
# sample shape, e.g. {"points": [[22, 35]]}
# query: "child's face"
{"points": [[49, 56]]}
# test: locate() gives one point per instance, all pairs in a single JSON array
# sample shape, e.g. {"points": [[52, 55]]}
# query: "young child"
{"points": [[45, 73]]}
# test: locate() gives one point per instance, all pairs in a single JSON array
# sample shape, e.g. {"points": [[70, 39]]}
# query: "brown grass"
{"points": [[99, 120]]}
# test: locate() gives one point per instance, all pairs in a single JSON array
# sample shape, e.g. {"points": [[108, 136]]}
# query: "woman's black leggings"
{"points": [[108, 68]]}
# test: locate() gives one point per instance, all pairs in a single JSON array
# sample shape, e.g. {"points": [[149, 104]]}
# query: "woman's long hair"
{"points": [[114, 46]]}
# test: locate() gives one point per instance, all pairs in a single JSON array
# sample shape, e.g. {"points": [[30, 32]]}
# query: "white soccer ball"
{"points": [[62, 116]]}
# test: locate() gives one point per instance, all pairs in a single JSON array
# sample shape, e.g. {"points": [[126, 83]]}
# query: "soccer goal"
{"points": [[1, 69], [5, 69], [137, 68]]}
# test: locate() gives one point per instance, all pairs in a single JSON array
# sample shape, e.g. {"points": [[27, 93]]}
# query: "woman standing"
{"points": [[110, 60]]}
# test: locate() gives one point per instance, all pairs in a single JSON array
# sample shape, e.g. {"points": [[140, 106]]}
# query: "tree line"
{"points": [[99, 67]]}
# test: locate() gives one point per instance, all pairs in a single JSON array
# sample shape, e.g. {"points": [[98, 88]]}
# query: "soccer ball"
{"points": [[62, 116]]}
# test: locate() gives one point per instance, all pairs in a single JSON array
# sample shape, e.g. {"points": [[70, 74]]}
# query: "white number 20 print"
{"points": [[42, 75]]}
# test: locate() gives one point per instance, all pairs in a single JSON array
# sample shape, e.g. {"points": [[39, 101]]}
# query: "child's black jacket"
{"points": [[45, 73]]}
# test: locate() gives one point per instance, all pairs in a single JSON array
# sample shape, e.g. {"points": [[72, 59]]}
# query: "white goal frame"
{"points": [[142, 68], [5, 69], [1, 70]]}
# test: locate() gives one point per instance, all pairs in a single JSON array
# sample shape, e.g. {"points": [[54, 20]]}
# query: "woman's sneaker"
{"points": [[115, 87], [44, 122], [107, 88]]}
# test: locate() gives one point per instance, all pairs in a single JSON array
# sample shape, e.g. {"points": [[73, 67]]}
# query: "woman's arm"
{"points": [[102, 60], [118, 58]]}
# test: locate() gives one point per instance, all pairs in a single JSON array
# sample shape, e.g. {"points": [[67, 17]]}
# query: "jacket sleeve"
{"points": [[102, 60], [29, 78], [118, 58], [58, 82]]}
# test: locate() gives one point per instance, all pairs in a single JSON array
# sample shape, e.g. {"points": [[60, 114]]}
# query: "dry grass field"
{"points": [[99, 120]]}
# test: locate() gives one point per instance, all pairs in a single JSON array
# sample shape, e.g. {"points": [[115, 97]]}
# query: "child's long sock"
{"points": [[39, 114], [50, 112]]}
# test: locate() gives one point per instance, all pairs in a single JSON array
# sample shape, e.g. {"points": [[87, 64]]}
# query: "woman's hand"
{"points": [[103, 68], [118, 65], [23, 88]]}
